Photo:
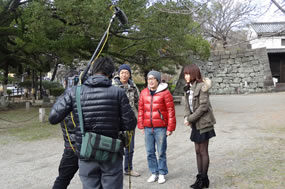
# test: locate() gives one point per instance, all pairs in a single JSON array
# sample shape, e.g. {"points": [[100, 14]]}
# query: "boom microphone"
{"points": [[121, 16]]}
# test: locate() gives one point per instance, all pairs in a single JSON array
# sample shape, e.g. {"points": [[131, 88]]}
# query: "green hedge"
{"points": [[46, 84], [9, 92], [26, 84], [171, 88], [51, 84], [140, 86], [56, 91]]}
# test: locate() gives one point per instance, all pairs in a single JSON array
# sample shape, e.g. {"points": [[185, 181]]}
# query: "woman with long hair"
{"points": [[199, 116]]}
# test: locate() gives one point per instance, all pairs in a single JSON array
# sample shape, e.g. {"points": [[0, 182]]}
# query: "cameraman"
{"points": [[106, 111]]}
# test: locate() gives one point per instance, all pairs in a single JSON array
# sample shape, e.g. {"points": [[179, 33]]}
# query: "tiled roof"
{"points": [[269, 28]]}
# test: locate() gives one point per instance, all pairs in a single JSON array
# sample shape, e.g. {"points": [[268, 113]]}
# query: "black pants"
{"points": [[67, 168]]}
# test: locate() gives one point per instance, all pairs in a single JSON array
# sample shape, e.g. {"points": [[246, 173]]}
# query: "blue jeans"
{"points": [[156, 136]]}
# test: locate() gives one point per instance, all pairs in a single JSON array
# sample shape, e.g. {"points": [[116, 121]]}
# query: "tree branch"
{"points": [[278, 6]]}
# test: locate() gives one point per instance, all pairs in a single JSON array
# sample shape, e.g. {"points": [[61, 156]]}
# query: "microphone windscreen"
{"points": [[121, 16]]}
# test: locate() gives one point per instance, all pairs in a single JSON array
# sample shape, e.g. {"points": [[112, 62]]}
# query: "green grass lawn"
{"points": [[24, 125]]}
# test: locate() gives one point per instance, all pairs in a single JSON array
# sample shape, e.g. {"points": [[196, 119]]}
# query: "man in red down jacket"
{"points": [[156, 118]]}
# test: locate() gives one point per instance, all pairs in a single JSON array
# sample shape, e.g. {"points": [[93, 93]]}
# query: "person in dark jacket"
{"points": [[106, 111], [199, 116], [156, 118], [124, 80], [69, 162]]}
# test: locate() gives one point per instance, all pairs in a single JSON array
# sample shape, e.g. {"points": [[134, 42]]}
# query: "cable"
{"points": [[128, 145], [68, 136]]}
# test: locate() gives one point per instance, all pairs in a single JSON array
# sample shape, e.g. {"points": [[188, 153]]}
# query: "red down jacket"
{"points": [[157, 110]]}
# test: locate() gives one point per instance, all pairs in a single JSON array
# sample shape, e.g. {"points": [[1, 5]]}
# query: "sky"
{"points": [[273, 14]]}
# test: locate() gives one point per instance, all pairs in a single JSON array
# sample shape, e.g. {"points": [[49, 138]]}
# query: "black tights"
{"points": [[202, 157]]}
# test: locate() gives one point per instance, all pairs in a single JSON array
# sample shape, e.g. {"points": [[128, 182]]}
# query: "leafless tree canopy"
{"points": [[219, 19], [224, 16], [279, 5]]}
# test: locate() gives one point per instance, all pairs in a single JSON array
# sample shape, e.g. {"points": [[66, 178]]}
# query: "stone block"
{"points": [[238, 60], [42, 113], [28, 105], [226, 56], [240, 55], [248, 53], [237, 80], [244, 59], [231, 61]]}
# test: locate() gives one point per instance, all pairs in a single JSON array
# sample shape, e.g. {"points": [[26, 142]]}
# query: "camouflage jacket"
{"points": [[131, 91]]}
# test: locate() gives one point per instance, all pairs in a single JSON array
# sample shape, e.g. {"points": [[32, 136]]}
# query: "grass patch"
{"points": [[24, 125]]}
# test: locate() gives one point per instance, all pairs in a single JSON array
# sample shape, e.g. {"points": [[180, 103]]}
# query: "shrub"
{"points": [[9, 92], [46, 84], [51, 84], [26, 84], [140, 86], [56, 91], [171, 88]]}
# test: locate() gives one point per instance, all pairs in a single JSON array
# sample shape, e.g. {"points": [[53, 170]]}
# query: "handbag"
{"points": [[94, 146]]}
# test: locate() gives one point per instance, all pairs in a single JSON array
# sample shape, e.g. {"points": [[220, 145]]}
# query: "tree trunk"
{"points": [[5, 78], [54, 72], [33, 92], [6, 73], [178, 91], [41, 88], [145, 78]]}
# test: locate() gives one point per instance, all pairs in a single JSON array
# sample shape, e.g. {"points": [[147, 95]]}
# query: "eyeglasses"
{"points": [[151, 79]]}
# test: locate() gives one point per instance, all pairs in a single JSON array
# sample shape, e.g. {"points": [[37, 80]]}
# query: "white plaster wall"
{"points": [[268, 42]]}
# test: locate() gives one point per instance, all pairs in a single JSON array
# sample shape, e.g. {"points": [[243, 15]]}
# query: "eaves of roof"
{"points": [[269, 28], [277, 50]]}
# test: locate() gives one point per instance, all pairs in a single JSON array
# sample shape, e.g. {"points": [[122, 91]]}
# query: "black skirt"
{"points": [[199, 138]]}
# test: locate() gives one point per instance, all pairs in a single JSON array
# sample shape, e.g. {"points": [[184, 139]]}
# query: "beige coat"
{"points": [[202, 114]]}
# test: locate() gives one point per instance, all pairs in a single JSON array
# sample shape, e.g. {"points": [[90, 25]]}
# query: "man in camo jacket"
{"points": [[124, 80]]}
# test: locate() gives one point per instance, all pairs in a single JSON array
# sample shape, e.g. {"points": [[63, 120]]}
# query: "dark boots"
{"points": [[202, 183], [198, 177]]}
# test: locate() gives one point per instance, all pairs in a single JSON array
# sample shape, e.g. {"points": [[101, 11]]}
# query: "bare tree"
{"points": [[219, 19], [279, 6], [224, 16]]}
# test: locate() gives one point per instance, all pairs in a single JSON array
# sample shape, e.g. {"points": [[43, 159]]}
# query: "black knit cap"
{"points": [[125, 67]]}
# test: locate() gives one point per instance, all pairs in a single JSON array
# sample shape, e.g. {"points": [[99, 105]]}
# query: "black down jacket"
{"points": [[105, 108]]}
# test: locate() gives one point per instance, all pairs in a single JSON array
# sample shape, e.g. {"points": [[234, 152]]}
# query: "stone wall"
{"points": [[236, 72]]}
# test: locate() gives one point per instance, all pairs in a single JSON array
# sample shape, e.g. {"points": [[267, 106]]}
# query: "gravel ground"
{"points": [[248, 151]]}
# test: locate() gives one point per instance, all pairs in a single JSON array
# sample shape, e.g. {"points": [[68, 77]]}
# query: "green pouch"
{"points": [[94, 146], [99, 147]]}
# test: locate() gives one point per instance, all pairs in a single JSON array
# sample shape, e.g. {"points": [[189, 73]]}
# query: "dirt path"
{"points": [[248, 151]]}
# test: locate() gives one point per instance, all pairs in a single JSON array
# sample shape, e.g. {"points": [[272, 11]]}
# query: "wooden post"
{"points": [[42, 113]]}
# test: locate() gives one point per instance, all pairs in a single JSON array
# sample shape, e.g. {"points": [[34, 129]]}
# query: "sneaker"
{"points": [[152, 178], [161, 179], [132, 173]]}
